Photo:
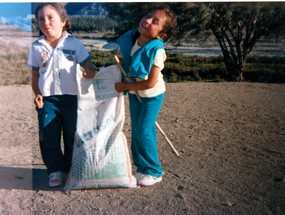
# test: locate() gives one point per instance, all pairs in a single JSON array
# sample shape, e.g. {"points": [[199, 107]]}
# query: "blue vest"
{"points": [[138, 65]]}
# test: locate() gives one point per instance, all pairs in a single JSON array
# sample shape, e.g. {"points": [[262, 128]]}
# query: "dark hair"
{"points": [[170, 23], [61, 12]]}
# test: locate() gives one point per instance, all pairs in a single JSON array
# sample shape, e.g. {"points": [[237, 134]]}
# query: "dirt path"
{"points": [[230, 136]]}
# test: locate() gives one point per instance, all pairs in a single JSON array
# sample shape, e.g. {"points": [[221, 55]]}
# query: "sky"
{"points": [[15, 9], [16, 14]]}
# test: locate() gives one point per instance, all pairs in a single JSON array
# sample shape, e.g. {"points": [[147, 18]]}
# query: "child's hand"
{"points": [[120, 87], [90, 75], [39, 101], [88, 70]]}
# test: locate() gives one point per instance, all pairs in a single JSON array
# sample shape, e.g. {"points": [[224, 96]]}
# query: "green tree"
{"points": [[128, 15], [237, 27]]}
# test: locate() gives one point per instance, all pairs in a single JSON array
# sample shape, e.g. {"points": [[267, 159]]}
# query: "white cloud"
{"points": [[3, 20], [24, 23]]}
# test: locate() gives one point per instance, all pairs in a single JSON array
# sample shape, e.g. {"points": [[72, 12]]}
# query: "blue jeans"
{"points": [[57, 118], [144, 141]]}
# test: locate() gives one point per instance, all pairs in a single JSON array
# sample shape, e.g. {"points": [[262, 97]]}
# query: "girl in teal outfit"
{"points": [[143, 59]]}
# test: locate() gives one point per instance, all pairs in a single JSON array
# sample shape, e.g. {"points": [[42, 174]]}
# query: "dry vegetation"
{"points": [[13, 55], [13, 69]]}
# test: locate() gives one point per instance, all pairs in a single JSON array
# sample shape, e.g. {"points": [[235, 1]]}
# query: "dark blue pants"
{"points": [[57, 119], [144, 140]]}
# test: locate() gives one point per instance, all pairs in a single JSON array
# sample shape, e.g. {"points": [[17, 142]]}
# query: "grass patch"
{"points": [[13, 69], [178, 68]]}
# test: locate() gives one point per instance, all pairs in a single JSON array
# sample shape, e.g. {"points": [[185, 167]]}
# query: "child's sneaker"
{"points": [[55, 179], [148, 180]]}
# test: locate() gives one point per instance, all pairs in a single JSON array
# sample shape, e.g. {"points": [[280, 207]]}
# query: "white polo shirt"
{"points": [[71, 53]]}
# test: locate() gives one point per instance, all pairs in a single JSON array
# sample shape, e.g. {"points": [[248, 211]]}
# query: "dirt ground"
{"points": [[231, 140], [230, 136]]}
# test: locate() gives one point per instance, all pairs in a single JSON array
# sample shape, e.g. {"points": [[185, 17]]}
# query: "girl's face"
{"points": [[152, 24], [50, 22]]}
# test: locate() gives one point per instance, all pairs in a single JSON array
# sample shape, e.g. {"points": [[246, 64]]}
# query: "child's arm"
{"points": [[141, 85], [89, 71], [38, 100]]}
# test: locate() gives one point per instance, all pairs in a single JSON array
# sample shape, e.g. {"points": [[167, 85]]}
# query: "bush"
{"points": [[194, 68], [178, 68], [92, 24], [265, 69], [181, 68], [89, 24], [100, 58]]}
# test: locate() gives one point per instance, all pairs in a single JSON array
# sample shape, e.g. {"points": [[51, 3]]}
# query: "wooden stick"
{"points": [[139, 98]]}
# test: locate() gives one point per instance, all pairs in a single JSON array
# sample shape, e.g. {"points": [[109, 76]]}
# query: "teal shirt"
{"points": [[140, 64]]}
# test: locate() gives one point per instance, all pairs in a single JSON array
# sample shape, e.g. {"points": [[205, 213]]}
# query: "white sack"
{"points": [[100, 153]]}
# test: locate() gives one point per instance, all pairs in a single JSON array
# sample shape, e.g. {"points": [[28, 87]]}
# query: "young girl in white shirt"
{"points": [[55, 59]]}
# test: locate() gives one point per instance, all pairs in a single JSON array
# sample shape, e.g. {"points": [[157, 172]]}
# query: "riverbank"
{"points": [[209, 48], [102, 42]]}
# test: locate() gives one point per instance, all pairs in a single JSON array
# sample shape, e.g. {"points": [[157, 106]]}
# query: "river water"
{"points": [[264, 47]]}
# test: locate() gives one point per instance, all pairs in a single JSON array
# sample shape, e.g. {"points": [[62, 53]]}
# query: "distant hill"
{"points": [[80, 8]]}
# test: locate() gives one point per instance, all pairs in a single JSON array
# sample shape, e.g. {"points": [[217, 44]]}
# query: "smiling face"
{"points": [[152, 24], [50, 22]]}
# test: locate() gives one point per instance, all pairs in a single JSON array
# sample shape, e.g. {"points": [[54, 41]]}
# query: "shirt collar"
{"points": [[65, 34]]}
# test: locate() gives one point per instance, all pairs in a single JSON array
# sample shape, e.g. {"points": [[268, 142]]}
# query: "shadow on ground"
{"points": [[20, 178]]}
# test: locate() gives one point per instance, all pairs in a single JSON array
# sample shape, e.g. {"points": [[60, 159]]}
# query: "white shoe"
{"points": [[148, 180], [55, 179]]}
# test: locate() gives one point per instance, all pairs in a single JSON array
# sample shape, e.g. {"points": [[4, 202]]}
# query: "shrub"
{"points": [[178, 68], [100, 58]]}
